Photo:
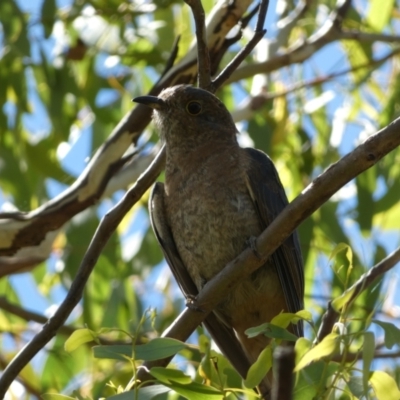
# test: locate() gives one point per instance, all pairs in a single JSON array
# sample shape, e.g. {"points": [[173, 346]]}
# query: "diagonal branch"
{"points": [[366, 280], [104, 231], [313, 197], [259, 32]]}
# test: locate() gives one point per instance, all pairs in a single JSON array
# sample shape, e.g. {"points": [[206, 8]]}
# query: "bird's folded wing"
{"points": [[270, 199], [224, 336]]}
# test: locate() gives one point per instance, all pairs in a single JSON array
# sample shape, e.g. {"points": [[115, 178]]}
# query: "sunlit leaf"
{"points": [[56, 396], [384, 386], [379, 13], [328, 347], [259, 369], [78, 338]]}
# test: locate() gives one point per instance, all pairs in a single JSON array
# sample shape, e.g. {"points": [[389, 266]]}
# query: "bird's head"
{"points": [[184, 112]]}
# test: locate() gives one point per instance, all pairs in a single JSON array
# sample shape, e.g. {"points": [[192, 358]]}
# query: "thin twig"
{"points": [[366, 280], [283, 382], [257, 101], [203, 57], [302, 50], [30, 387], [351, 357], [30, 315], [259, 32], [104, 231], [228, 42], [41, 319]]}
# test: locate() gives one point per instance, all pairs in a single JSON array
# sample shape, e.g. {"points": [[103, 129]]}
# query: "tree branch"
{"points": [[259, 32], [300, 51], [282, 389], [104, 231], [369, 37], [22, 233], [314, 196], [254, 103], [366, 280], [203, 57]]}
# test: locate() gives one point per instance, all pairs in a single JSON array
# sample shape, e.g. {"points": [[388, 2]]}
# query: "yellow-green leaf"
{"points": [[78, 338], [328, 347], [259, 369], [379, 13], [343, 299], [301, 347], [55, 396], [384, 386]]}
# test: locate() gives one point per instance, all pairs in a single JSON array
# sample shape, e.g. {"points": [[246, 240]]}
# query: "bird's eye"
{"points": [[193, 107]]}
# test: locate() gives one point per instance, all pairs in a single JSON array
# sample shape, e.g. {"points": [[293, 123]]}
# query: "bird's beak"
{"points": [[150, 101]]}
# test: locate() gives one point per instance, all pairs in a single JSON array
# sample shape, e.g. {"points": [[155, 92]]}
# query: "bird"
{"points": [[216, 198]]}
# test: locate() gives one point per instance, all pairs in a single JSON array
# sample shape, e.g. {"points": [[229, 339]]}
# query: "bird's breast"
{"points": [[211, 214]]}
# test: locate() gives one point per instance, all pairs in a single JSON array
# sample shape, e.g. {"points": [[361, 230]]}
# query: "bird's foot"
{"points": [[252, 243], [191, 302]]}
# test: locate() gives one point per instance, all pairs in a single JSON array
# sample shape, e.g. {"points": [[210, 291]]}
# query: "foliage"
{"points": [[67, 76]]}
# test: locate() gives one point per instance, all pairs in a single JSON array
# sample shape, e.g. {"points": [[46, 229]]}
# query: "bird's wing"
{"points": [[224, 336], [270, 199]]}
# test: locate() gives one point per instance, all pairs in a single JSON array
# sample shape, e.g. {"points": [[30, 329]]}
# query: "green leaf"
{"points": [[261, 129], [259, 369], [368, 356], [328, 347], [356, 386], [78, 338], [113, 352], [197, 391], [156, 349], [312, 379], [284, 319], [339, 248], [48, 16], [305, 315], [272, 331], [169, 375], [366, 185], [384, 386], [146, 393], [388, 219], [392, 333]]}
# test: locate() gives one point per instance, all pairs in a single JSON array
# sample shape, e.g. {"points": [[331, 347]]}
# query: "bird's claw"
{"points": [[191, 302]]}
